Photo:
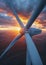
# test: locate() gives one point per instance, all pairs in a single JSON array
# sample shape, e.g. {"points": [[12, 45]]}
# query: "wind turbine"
{"points": [[32, 55]]}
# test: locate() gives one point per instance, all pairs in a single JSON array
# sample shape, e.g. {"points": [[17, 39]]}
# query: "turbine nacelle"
{"points": [[31, 31], [34, 31]]}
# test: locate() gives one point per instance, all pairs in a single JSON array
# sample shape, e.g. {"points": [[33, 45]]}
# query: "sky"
{"points": [[24, 9]]}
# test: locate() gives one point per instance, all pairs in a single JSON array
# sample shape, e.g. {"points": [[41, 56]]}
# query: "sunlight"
{"points": [[44, 30], [24, 20], [11, 28], [37, 25]]}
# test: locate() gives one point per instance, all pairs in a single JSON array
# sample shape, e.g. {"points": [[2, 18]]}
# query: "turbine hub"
{"points": [[23, 30]]}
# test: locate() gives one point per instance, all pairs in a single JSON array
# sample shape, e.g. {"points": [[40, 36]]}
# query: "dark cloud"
{"points": [[42, 19], [42, 16], [21, 6], [7, 20]]}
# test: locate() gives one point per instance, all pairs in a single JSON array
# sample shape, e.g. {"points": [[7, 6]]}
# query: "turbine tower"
{"points": [[32, 55]]}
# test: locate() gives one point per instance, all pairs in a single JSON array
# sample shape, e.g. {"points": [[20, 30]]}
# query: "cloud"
{"points": [[21, 6], [7, 20], [42, 19], [42, 16]]}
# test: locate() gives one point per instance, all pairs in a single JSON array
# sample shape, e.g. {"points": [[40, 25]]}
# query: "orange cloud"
{"points": [[38, 22]]}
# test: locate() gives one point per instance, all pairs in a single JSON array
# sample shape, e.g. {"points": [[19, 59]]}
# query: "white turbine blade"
{"points": [[11, 45], [28, 60], [19, 21], [9, 3], [36, 12], [34, 55]]}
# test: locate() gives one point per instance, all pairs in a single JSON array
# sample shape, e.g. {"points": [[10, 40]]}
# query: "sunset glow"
{"points": [[11, 28], [24, 20], [37, 25]]}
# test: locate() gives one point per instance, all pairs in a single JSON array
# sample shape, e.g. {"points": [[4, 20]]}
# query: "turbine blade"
{"points": [[28, 60], [19, 21], [9, 3], [11, 45], [34, 55], [36, 12]]}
